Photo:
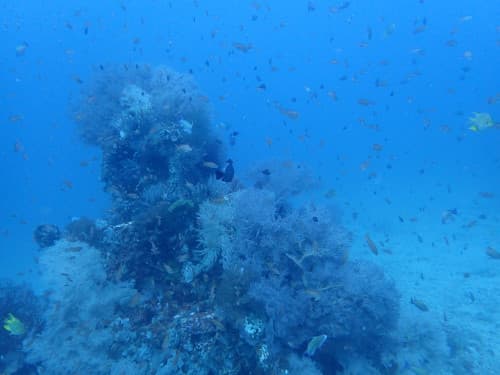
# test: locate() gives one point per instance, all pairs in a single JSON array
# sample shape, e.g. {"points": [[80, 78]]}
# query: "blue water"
{"points": [[405, 76]]}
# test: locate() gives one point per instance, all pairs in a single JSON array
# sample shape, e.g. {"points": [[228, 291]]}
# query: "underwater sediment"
{"points": [[192, 274]]}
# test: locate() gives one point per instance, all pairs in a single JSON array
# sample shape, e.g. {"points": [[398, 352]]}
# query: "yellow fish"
{"points": [[14, 325], [480, 121]]}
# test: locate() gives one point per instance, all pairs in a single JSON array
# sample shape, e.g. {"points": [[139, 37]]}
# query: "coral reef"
{"points": [[196, 275]]}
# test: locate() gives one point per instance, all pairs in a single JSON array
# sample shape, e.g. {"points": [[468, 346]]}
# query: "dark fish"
{"points": [[470, 224], [419, 304], [232, 138], [369, 33], [486, 194], [492, 253], [266, 172], [371, 244], [344, 5], [227, 174], [242, 46], [448, 215]]}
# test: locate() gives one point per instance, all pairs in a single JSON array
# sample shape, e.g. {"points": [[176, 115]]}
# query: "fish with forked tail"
{"points": [[448, 215]]}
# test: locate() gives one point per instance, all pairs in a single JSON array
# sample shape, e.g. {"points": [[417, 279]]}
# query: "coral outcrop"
{"points": [[193, 275]]}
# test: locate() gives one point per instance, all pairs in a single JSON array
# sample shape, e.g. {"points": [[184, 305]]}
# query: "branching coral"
{"points": [[153, 127], [292, 264]]}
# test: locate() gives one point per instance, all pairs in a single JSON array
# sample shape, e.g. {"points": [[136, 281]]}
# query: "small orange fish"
{"points": [[365, 102], [492, 253], [314, 293], [418, 51], [165, 342], [219, 200], [419, 304], [293, 115], [18, 147], [445, 129], [135, 300], [168, 269], [21, 49], [218, 324], [16, 118], [184, 148], [492, 100], [486, 194], [364, 165], [468, 55], [210, 165], [419, 29], [333, 95], [345, 256], [470, 224], [330, 194], [242, 46]]}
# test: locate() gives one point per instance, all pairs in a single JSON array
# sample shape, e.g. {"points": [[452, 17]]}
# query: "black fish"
{"points": [[227, 174], [266, 172], [232, 138]]}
